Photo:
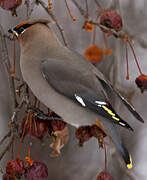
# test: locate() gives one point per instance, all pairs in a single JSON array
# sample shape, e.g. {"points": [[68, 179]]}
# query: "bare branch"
{"points": [[50, 13], [131, 177], [82, 11], [27, 3], [7, 147], [6, 62], [5, 137]]}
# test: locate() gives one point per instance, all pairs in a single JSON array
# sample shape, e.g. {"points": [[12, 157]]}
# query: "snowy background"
{"points": [[85, 163]]}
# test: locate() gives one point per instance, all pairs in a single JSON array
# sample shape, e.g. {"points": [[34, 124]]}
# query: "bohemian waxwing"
{"points": [[67, 83]]}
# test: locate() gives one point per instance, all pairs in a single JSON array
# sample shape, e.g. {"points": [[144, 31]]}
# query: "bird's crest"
{"points": [[21, 24]]}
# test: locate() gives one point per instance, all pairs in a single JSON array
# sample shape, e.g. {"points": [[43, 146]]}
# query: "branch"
{"points": [[129, 175], [6, 62], [7, 146], [82, 11], [111, 31], [40, 114], [24, 100], [27, 3], [50, 13], [5, 136]]}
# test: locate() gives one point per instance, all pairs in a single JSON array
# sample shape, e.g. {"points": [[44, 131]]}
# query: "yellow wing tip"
{"points": [[129, 166]]}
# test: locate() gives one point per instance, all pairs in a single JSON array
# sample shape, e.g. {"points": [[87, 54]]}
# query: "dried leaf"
{"points": [[59, 139]]}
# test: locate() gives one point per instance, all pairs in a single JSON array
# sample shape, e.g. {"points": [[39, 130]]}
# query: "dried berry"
{"points": [[38, 171], [88, 27], [108, 52], [34, 126], [29, 160], [83, 133], [15, 167], [104, 176], [49, 4], [141, 82], [94, 53], [111, 20], [96, 131], [69, 11], [57, 125], [10, 5], [8, 177], [99, 134]]}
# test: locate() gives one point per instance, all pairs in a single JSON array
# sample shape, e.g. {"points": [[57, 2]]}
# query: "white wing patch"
{"points": [[80, 100], [100, 103], [122, 123]]}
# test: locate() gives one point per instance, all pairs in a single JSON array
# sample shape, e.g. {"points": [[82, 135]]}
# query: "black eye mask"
{"points": [[20, 29]]}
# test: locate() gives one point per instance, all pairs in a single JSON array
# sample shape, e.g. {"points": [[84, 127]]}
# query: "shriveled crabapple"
{"points": [[15, 167], [112, 20], [38, 171], [10, 5], [94, 54], [141, 82], [34, 126], [56, 125], [83, 133], [8, 177], [104, 176]]}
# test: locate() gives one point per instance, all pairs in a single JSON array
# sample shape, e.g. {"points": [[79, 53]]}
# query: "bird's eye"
{"points": [[21, 29]]}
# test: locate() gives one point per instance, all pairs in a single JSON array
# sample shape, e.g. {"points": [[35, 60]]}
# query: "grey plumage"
{"points": [[67, 83]]}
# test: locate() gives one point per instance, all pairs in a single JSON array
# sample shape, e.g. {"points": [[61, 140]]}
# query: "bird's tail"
{"points": [[111, 130]]}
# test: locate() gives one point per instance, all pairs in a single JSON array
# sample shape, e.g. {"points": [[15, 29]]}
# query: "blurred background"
{"points": [[85, 163]]}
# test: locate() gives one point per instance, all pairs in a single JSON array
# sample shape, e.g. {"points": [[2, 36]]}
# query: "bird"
{"points": [[68, 84]]}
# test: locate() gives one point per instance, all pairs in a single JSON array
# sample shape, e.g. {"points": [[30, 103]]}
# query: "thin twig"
{"points": [[9, 37], [5, 137], [82, 11], [50, 13], [6, 62], [7, 147], [24, 100], [129, 175], [111, 31], [32, 5], [99, 5], [27, 3]]}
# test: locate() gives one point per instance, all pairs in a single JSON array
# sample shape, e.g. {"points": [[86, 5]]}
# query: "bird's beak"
{"points": [[10, 31]]}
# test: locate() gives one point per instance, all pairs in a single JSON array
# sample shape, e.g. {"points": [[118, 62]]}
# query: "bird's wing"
{"points": [[113, 93], [81, 87]]}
